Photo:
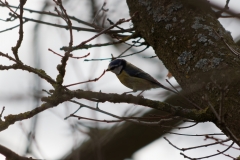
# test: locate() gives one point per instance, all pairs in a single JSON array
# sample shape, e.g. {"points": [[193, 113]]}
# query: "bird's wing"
{"points": [[137, 72]]}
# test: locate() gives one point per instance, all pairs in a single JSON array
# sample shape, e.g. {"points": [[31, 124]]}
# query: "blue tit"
{"points": [[133, 77]]}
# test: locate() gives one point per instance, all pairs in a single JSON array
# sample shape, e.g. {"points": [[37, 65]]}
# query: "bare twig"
{"points": [[71, 56], [7, 5], [150, 57], [129, 48], [93, 80], [21, 66], [7, 56], [188, 126], [214, 134], [214, 111], [2, 112], [171, 143], [227, 155], [67, 20], [12, 27], [55, 15], [33, 138], [73, 112], [102, 9], [96, 120], [102, 59], [209, 155], [217, 140], [94, 45], [138, 120], [62, 67], [111, 23], [123, 40], [177, 92], [19, 42], [77, 28], [229, 47], [220, 120], [105, 30], [205, 145]]}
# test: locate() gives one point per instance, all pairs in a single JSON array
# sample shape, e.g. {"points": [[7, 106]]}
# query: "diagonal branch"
{"points": [[9, 154], [41, 73], [11, 119]]}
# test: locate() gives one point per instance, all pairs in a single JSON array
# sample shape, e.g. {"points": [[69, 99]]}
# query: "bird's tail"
{"points": [[162, 86]]}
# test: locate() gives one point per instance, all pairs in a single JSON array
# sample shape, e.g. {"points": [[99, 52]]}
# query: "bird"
{"points": [[133, 77]]}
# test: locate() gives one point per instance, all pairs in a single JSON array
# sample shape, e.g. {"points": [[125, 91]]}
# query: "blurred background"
{"points": [[48, 135]]}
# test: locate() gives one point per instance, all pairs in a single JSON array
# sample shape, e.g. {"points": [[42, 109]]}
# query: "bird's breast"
{"points": [[135, 83]]}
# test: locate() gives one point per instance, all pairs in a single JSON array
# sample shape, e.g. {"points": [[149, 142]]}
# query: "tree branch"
{"points": [[9, 154]]}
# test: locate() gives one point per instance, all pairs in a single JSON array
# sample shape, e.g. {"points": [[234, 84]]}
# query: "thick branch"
{"points": [[11, 119], [61, 96], [191, 50], [200, 116], [41, 73], [9, 154]]}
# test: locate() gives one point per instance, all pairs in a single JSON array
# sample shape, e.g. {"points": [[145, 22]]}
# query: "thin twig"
{"points": [[123, 40], [209, 155], [227, 155], [102, 9], [2, 112], [139, 120], [171, 143], [73, 113], [93, 80], [214, 134], [105, 30], [102, 59], [111, 23], [129, 48], [96, 120], [12, 27], [7, 5], [217, 139], [7, 56], [71, 56], [93, 45], [56, 15], [177, 92], [205, 145], [150, 57], [214, 111], [76, 28], [187, 126], [20, 39], [229, 47]]}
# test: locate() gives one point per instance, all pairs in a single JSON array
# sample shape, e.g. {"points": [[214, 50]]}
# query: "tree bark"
{"points": [[182, 33]]}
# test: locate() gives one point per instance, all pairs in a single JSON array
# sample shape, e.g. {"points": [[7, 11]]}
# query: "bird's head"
{"points": [[116, 66]]}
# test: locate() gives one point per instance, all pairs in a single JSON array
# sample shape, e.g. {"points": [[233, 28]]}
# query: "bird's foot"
{"points": [[139, 95], [125, 93]]}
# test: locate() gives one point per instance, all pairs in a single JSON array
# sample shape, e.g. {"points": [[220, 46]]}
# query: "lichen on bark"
{"points": [[182, 34]]}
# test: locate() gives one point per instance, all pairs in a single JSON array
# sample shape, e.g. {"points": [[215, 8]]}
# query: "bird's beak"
{"points": [[108, 69]]}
